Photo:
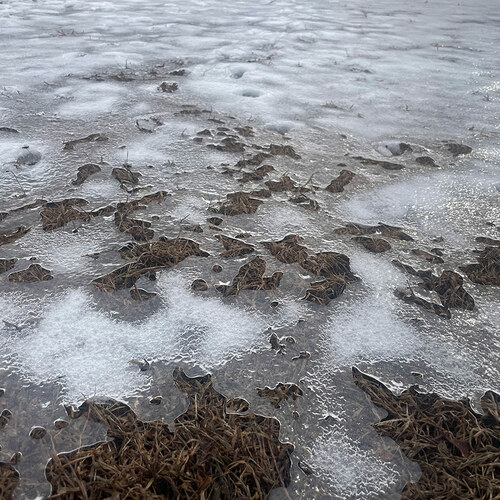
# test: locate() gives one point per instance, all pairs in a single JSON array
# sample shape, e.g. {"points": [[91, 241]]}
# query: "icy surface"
{"points": [[336, 81], [402, 67], [91, 351], [351, 471]]}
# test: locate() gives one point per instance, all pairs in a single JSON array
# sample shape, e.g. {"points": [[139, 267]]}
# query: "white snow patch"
{"points": [[350, 471], [91, 350]]}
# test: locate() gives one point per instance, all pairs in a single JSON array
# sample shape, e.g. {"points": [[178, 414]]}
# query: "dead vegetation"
{"points": [[168, 87], [147, 259], [429, 257], [234, 247], [280, 393], [9, 480], [449, 288], [58, 213], [141, 295], [409, 297], [333, 267], [33, 274], [251, 277], [84, 172], [229, 145], [126, 178], [256, 175], [305, 202], [487, 270], [70, 145], [456, 448], [338, 184], [387, 165], [375, 245], [139, 229], [11, 237], [214, 452], [383, 229], [458, 149], [426, 161], [488, 241], [281, 150], [255, 160], [284, 184], [7, 264], [236, 204], [199, 285]]}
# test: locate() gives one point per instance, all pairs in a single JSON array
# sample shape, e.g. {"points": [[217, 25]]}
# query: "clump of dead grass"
{"points": [[212, 453], [457, 449]]}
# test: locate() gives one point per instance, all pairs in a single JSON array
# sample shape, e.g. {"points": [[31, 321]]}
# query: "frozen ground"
{"points": [[334, 80]]}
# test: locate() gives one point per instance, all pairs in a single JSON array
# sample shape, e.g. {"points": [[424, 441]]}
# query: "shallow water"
{"points": [[334, 81]]}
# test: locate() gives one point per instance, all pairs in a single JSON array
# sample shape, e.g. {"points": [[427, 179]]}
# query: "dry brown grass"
{"points": [[211, 453], [457, 449]]}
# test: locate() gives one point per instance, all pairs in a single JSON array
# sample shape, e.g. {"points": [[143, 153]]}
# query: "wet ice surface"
{"points": [[334, 81]]}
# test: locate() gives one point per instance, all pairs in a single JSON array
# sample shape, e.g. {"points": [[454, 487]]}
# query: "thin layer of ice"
{"points": [[351, 471], [90, 351]]}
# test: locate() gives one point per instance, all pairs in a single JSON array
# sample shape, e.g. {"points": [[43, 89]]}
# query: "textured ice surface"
{"points": [[381, 68], [368, 328], [382, 71], [91, 350], [351, 471], [434, 203]]}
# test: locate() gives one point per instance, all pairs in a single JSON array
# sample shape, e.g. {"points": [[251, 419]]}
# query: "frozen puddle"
{"points": [[90, 352]]}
